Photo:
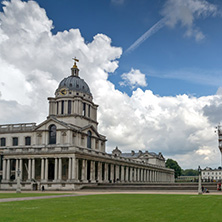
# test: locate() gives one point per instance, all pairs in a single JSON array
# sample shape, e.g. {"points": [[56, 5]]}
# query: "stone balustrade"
{"points": [[17, 127]]}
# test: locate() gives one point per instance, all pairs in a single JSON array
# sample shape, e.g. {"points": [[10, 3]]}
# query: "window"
{"points": [[62, 107], [89, 138], [84, 109], [3, 141], [89, 111], [57, 104], [52, 134], [27, 140], [69, 106], [15, 141]]}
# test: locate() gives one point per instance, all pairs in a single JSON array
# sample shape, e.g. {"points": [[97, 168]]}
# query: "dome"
{"points": [[74, 83]]}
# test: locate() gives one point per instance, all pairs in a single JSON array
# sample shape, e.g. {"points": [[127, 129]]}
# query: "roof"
{"points": [[74, 83]]}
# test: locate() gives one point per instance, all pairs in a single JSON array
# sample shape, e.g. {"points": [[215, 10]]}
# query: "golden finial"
{"points": [[76, 60]]}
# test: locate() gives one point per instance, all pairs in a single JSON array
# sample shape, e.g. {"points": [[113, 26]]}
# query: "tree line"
{"points": [[172, 164]]}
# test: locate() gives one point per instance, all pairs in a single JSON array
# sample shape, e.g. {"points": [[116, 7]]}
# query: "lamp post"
{"points": [[18, 189], [199, 181]]}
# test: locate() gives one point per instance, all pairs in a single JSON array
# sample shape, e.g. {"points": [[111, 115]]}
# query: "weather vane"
{"points": [[76, 60]]}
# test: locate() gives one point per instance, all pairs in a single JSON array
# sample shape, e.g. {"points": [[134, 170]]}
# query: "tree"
{"points": [[189, 172], [172, 164]]}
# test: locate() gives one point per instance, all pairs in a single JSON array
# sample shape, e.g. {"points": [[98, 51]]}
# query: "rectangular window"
{"points": [[69, 106], [84, 109], [62, 107], [27, 140], [57, 104], [89, 111], [15, 141], [3, 142]]}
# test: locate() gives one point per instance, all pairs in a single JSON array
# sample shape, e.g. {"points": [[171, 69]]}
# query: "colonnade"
{"points": [[96, 171], [45, 173], [74, 169]]}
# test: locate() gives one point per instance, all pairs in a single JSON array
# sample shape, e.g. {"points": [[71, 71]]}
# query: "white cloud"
{"points": [[186, 12], [134, 78], [183, 12], [33, 61]]}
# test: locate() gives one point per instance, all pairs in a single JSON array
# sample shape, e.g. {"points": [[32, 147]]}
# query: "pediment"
{"points": [[91, 128], [45, 125]]}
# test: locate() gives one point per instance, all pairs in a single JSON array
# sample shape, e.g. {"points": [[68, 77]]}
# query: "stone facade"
{"points": [[66, 151], [209, 174]]}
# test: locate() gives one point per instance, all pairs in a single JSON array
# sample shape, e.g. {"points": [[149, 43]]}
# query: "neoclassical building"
{"points": [[66, 151]]}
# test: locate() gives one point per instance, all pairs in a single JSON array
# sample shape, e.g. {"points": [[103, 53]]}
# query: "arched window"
{"points": [[89, 138], [52, 134]]}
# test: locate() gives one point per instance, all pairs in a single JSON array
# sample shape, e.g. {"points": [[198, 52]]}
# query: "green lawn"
{"points": [[117, 207], [17, 195]]}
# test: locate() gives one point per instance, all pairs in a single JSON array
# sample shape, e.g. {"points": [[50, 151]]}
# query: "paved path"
{"points": [[89, 192], [34, 198]]}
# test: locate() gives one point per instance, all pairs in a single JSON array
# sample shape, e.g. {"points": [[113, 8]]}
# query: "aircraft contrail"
{"points": [[147, 34]]}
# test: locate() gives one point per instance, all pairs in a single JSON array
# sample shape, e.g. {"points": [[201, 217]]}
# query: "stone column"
{"points": [[122, 174], [16, 168], [4, 170], [86, 167], [112, 172], [106, 172], [135, 175], [46, 169], [92, 172], [56, 170], [70, 169], [33, 169], [99, 172], [117, 173], [141, 175], [29, 169], [60, 169], [42, 169], [144, 178], [8, 170], [21, 169], [74, 169], [83, 171], [127, 174]]}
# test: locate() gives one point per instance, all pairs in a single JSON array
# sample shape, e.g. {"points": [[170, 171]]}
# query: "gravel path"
{"points": [[35, 198]]}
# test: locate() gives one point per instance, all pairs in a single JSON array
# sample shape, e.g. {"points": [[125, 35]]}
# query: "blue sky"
{"points": [[153, 67], [173, 64]]}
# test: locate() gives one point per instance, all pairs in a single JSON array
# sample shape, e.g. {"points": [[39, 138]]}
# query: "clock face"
{"points": [[62, 92]]}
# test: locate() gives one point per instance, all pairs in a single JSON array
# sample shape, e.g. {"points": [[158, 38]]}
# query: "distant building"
{"points": [[66, 151], [209, 174]]}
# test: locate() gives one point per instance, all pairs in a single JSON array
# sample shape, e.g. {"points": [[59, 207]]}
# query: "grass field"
{"points": [[117, 207]]}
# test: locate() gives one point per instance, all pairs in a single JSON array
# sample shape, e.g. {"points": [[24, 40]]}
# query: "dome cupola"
{"points": [[73, 83]]}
